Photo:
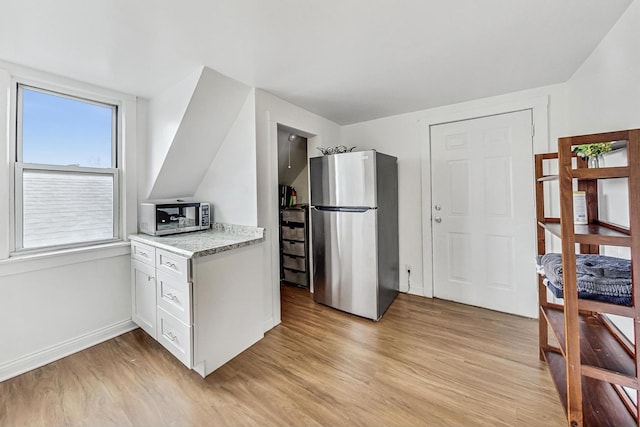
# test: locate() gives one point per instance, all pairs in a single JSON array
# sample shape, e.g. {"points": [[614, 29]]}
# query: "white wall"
{"points": [[405, 137], [292, 157], [230, 182], [54, 304], [50, 313], [604, 95], [301, 184], [212, 110], [165, 113], [271, 111]]}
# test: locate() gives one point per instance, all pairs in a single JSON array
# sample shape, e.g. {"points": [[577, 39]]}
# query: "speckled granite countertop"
{"points": [[220, 238]]}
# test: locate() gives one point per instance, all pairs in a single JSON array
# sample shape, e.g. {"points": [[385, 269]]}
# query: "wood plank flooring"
{"points": [[426, 363]]}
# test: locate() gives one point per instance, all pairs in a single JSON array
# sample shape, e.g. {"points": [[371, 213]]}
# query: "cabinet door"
{"points": [[143, 296]]}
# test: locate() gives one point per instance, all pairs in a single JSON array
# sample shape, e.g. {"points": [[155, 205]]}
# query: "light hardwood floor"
{"points": [[426, 363]]}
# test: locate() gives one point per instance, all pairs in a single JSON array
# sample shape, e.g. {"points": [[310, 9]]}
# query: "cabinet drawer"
{"points": [[143, 252], [174, 296], [293, 233], [173, 264], [293, 248], [175, 336], [295, 277], [293, 216], [294, 263]]}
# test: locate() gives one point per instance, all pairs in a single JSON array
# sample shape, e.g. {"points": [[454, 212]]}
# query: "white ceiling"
{"points": [[346, 60]]}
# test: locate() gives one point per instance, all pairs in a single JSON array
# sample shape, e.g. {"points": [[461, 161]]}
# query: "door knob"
{"points": [[438, 207], [437, 219]]}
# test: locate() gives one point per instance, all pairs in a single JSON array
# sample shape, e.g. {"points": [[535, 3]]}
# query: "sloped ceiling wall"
{"points": [[212, 109], [298, 151]]}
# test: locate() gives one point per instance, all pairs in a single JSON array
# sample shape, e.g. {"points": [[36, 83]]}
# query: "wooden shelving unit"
{"points": [[589, 359], [294, 245]]}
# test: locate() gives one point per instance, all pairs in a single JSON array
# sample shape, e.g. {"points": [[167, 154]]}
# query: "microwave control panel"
{"points": [[205, 215]]}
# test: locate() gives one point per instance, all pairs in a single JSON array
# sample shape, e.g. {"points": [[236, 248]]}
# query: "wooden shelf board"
{"points": [[598, 347], [604, 307], [601, 405], [556, 323], [600, 173], [548, 178], [551, 227], [594, 138], [547, 156], [591, 234]]}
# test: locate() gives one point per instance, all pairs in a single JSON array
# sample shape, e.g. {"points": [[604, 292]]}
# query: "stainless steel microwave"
{"points": [[162, 217]]}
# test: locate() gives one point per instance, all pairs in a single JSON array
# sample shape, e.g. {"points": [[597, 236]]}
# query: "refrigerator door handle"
{"points": [[338, 209]]}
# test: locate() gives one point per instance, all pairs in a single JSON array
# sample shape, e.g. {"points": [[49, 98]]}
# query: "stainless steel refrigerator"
{"points": [[354, 224]]}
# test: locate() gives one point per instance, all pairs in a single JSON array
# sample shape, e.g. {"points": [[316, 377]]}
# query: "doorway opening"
{"points": [[293, 205]]}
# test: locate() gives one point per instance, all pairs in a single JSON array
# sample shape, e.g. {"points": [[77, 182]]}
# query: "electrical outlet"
{"points": [[408, 268]]}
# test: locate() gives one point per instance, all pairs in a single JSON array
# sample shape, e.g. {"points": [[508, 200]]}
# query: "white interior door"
{"points": [[483, 212]]}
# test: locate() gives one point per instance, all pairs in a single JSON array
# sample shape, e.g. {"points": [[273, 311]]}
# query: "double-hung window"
{"points": [[66, 170]]}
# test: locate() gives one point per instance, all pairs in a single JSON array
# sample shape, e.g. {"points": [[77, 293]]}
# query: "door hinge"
{"points": [[533, 129]]}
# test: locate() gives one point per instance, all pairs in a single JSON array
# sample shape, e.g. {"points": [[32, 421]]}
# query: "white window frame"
{"points": [[18, 167]]}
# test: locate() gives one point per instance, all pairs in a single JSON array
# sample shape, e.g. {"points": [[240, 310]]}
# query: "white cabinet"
{"points": [[174, 296], [205, 310], [161, 298], [143, 296], [175, 336], [143, 253]]}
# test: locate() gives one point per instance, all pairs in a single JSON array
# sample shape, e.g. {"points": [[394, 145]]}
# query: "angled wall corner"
{"points": [[230, 183], [165, 113], [213, 107]]}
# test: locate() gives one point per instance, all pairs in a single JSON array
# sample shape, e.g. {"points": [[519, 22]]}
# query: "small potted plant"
{"points": [[592, 152]]}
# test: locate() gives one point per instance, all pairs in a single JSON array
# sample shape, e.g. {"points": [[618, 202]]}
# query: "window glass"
{"points": [[62, 208], [66, 173], [57, 130]]}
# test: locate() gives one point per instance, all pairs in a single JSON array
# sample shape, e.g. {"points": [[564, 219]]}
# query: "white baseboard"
{"points": [[40, 358], [416, 289], [269, 324]]}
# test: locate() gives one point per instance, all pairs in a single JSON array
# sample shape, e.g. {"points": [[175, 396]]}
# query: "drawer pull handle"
{"points": [[171, 265], [171, 296], [171, 336], [150, 278], [144, 254]]}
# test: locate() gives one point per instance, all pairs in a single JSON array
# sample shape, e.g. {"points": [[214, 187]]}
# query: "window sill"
{"points": [[18, 264]]}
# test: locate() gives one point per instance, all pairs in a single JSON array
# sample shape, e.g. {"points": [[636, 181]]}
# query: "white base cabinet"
{"points": [[204, 310], [144, 296]]}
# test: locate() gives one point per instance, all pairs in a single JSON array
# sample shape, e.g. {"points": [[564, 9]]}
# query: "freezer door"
{"points": [[345, 180], [345, 261]]}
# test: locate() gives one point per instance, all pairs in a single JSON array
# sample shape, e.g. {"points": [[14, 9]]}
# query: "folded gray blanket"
{"points": [[595, 273]]}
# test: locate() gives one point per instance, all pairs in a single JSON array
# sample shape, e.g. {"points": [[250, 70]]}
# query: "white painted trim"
{"points": [[540, 116], [44, 261], [273, 221], [269, 324], [51, 354], [35, 77], [125, 201], [5, 175], [416, 289]]}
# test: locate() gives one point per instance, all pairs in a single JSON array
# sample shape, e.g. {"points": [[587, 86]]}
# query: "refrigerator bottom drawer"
{"points": [[295, 277]]}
